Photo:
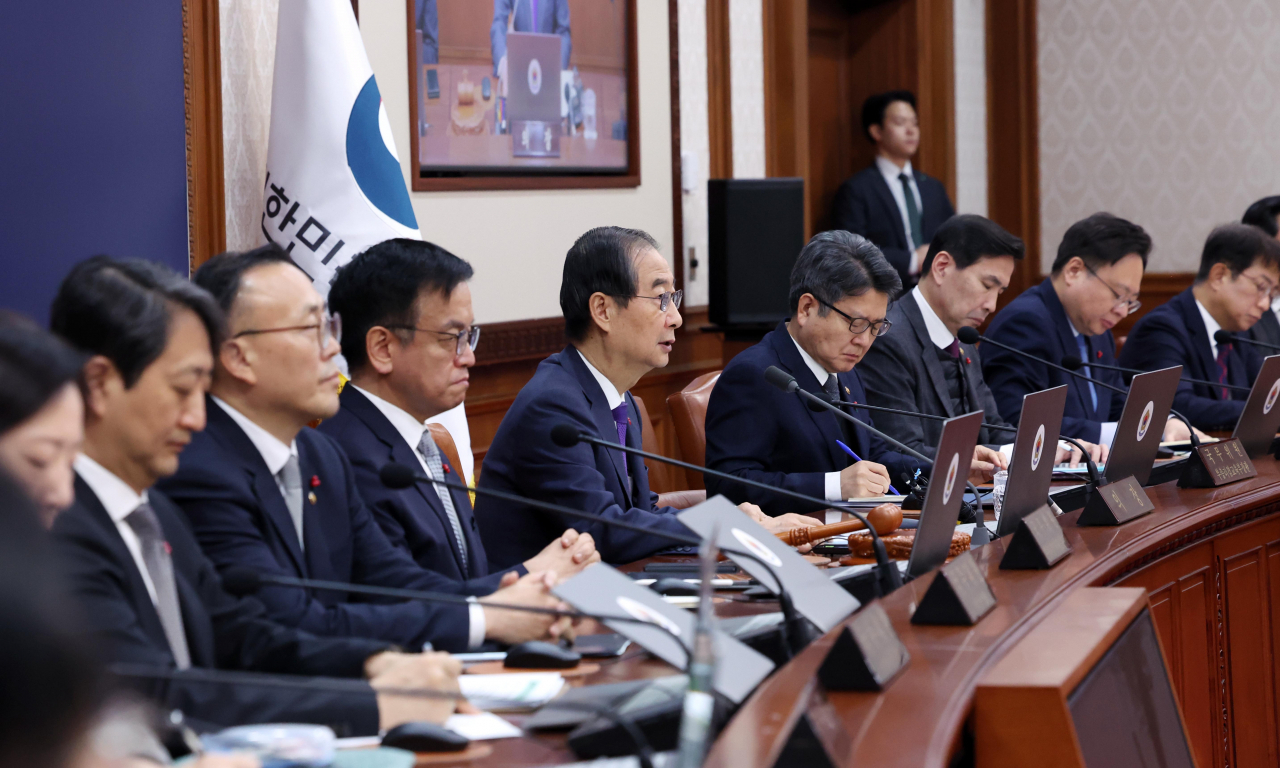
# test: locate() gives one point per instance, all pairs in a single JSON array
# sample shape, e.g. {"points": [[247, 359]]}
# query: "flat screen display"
{"points": [[520, 87], [1125, 712]]}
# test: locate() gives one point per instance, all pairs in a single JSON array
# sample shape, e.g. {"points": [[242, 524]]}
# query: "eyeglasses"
{"points": [[329, 327], [1263, 287], [465, 339], [664, 300], [1130, 304], [860, 325]]}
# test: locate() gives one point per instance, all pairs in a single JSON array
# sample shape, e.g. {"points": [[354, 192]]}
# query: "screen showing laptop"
{"points": [[1141, 425], [1034, 449], [1258, 421], [941, 506]]}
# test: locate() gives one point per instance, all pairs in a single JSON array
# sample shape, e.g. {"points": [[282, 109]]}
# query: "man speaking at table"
{"points": [[621, 312], [841, 286]]}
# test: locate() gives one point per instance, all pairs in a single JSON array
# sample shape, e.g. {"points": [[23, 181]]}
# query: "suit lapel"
{"points": [[1186, 303], [401, 452], [890, 204], [224, 429], [1062, 325], [853, 391], [790, 361], [928, 352], [606, 427]]}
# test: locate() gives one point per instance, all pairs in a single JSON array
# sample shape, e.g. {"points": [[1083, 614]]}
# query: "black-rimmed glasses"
{"points": [[464, 339], [860, 325], [664, 299], [329, 327]]}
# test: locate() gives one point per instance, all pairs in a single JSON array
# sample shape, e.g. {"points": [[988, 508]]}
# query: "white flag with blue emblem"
{"points": [[334, 185]]}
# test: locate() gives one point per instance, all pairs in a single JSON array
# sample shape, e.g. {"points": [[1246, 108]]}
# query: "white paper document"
{"points": [[511, 692]]}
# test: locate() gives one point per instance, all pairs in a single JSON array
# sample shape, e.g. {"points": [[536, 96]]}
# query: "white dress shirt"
{"points": [[611, 393], [120, 501], [411, 430], [1211, 326], [1108, 427], [890, 173], [831, 480]]}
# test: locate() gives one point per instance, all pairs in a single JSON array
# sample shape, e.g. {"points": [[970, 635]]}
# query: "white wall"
{"points": [[517, 240], [695, 146], [971, 105], [1160, 111]]}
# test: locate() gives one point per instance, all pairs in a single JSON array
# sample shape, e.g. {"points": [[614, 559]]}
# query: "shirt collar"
{"points": [[275, 453], [819, 373], [115, 494], [409, 428], [938, 333], [890, 171], [1211, 326], [611, 393]]}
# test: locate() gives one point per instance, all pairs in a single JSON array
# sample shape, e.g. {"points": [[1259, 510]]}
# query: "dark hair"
{"points": [[121, 309], [601, 261], [1101, 240], [1262, 215], [1238, 246], [969, 237], [836, 264], [52, 685], [34, 366], [875, 106], [221, 275], [382, 285]]}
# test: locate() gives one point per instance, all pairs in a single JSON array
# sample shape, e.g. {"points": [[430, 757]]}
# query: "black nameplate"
{"points": [[1210, 466], [958, 596], [1038, 542], [866, 655], [1120, 502]]}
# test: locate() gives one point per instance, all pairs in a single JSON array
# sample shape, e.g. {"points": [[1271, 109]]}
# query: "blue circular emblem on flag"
{"points": [[376, 169]]}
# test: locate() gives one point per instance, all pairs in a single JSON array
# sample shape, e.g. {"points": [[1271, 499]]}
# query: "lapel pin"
{"points": [[445, 467], [967, 361], [311, 497], [1099, 354], [315, 481], [846, 390]]}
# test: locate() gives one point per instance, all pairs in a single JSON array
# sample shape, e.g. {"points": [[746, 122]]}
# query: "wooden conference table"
{"points": [[1210, 559]]}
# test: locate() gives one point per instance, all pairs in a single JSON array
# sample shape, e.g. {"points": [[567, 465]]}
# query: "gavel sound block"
{"points": [[885, 518]]}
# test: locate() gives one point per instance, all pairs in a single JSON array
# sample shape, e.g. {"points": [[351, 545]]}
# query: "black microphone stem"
{"points": [[1231, 338], [1204, 382]]}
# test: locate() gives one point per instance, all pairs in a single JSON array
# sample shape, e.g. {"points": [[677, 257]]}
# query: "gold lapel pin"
{"points": [[846, 390], [311, 497]]}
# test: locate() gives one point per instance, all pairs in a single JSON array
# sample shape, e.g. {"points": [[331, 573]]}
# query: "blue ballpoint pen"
{"points": [[855, 456]]}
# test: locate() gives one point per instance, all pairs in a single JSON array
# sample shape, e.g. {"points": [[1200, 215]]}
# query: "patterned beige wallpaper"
{"points": [[248, 36], [1162, 111]]}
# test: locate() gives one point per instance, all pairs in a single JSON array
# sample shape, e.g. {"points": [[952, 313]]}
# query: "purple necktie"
{"points": [[953, 349], [1223, 351], [620, 418], [533, 8]]}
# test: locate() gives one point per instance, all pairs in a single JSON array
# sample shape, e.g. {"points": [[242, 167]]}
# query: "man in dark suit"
{"points": [[920, 365], [1094, 285], [841, 287], [409, 344], [621, 312], [1263, 215], [263, 490], [1239, 277], [892, 204], [149, 595]]}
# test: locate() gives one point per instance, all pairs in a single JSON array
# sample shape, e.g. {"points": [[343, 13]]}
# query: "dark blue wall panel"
{"points": [[92, 141]]}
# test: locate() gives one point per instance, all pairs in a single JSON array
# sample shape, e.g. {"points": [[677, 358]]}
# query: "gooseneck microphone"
{"points": [[398, 476], [567, 435], [1095, 476], [970, 335], [1226, 337], [1075, 364]]}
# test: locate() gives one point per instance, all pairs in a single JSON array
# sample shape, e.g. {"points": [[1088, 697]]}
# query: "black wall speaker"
{"points": [[755, 232]]}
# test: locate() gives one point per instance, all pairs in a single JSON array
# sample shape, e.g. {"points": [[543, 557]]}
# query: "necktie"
{"points": [[533, 9], [832, 387], [620, 419], [1223, 351], [953, 349], [289, 478], [159, 563], [913, 212], [1084, 355], [427, 447]]}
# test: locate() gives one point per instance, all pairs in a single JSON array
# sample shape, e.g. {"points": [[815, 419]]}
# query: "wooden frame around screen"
{"points": [[630, 178]]}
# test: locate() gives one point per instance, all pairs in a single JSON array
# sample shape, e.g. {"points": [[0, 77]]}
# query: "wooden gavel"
{"points": [[885, 518]]}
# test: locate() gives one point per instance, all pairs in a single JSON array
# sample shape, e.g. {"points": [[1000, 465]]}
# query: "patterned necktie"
{"points": [[1084, 355], [159, 563], [620, 419], [427, 447], [1223, 351], [289, 478], [847, 430], [913, 212]]}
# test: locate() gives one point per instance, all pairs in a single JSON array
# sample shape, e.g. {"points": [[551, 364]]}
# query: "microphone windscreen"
{"points": [[565, 435], [397, 476], [1072, 363], [968, 335], [241, 581], [1223, 337], [780, 379]]}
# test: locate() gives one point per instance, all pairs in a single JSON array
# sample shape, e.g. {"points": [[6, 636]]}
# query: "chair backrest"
{"points": [[661, 476], [444, 441], [689, 417]]}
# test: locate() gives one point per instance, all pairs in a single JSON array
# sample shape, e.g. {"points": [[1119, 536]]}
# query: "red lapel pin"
{"points": [[168, 550], [315, 481], [1099, 354], [446, 469], [967, 361]]}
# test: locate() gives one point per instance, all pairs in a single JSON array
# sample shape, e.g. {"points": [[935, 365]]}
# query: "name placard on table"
{"points": [[1210, 466]]}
